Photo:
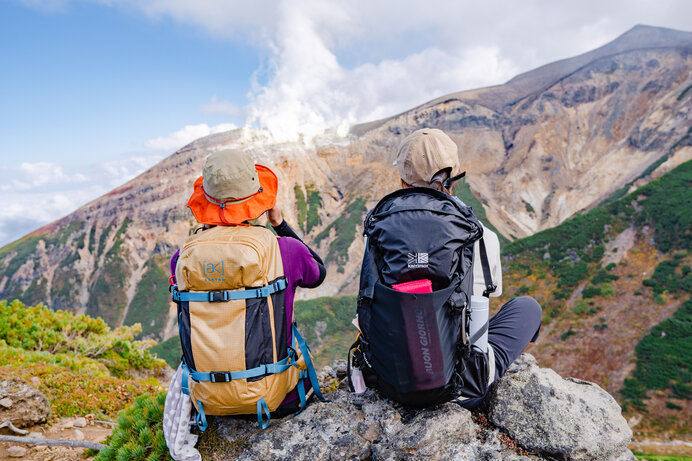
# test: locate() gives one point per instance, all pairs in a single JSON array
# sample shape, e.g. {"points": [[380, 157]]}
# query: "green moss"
{"points": [[151, 302]]}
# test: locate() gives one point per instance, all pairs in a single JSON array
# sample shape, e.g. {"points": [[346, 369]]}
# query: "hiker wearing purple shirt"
{"points": [[232, 192]]}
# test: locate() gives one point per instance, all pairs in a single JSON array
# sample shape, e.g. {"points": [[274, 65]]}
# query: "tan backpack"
{"points": [[233, 326]]}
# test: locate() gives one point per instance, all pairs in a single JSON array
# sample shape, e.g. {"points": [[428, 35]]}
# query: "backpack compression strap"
{"points": [[228, 295], [228, 376], [490, 287]]}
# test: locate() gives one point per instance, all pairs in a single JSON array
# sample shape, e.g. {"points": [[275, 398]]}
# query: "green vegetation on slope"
{"points": [[308, 207], [169, 350], [664, 357], [344, 232], [83, 366], [149, 306], [107, 297], [327, 321], [463, 191], [575, 247]]}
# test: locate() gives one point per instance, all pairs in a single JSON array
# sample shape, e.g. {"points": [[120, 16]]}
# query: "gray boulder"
{"points": [[565, 418], [22, 404], [371, 427]]}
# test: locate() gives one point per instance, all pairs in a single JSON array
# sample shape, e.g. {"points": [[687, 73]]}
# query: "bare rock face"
{"points": [[27, 405], [549, 417], [566, 418]]}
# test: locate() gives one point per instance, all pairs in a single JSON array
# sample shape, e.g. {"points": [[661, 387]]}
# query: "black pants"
{"points": [[509, 332]]}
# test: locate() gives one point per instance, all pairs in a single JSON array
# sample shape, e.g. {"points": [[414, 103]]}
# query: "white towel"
{"points": [[176, 422]]}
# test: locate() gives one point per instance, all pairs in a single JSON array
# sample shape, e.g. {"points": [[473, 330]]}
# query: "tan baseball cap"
{"points": [[424, 153]]}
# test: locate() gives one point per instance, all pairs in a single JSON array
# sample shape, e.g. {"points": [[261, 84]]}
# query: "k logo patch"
{"points": [[417, 260]]}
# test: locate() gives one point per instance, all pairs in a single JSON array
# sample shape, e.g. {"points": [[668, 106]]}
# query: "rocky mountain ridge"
{"points": [[548, 144]]}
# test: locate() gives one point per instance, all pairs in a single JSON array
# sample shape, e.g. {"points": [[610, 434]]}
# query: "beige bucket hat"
{"points": [[232, 189]]}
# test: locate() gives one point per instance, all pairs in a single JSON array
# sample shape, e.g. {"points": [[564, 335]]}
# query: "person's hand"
{"points": [[274, 215]]}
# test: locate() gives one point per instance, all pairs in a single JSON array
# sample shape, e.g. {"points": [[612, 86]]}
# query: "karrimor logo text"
{"points": [[213, 272], [417, 260]]}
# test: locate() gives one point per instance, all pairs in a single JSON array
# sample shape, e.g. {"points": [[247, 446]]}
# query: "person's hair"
{"points": [[437, 182]]}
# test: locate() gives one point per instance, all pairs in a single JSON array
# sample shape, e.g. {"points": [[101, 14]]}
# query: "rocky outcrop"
{"points": [[368, 426], [21, 404], [565, 418]]}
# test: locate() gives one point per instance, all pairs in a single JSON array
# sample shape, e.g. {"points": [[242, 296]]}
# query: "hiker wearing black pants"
{"points": [[436, 283], [428, 157]]}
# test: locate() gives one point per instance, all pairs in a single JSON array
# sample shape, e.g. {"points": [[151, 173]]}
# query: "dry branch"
{"points": [[53, 442]]}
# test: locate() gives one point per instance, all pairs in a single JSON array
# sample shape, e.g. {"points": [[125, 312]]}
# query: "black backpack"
{"points": [[414, 346]]}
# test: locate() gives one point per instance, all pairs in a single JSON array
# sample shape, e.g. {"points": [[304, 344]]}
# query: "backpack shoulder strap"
{"points": [[490, 287]]}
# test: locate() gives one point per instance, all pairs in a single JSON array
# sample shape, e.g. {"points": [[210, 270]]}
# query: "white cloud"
{"points": [[399, 53], [117, 172], [35, 194], [186, 135], [28, 176]]}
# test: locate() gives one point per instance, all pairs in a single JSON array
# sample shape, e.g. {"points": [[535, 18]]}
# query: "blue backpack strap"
{"points": [[263, 410], [228, 295], [262, 370], [201, 418], [308, 361], [184, 379], [301, 391]]}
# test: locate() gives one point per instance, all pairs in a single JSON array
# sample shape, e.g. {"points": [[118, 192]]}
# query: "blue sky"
{"points": [[92, 92]]}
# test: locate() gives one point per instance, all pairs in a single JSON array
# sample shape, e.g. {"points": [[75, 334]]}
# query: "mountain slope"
{"points": [[537, 153], [609, 282]]}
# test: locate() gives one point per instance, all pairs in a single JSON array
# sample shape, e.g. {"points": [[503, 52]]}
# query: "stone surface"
{"points": [[77, 435], [573, 421], [566, 418], [28, 405], [16, 451], [6, 403], [80, 422]]}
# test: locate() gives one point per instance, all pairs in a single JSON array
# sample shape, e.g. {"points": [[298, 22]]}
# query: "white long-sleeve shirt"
{"points": [[492, 246]]}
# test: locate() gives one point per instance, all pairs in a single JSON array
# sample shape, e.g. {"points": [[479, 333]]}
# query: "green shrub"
{"points": [[673, 406], [139, 433], [591, 291], [664, 358], [567, 334], [38, 328]]}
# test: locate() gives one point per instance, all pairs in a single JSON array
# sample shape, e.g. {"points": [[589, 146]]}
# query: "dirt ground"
{"points": [[63, 429]]}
